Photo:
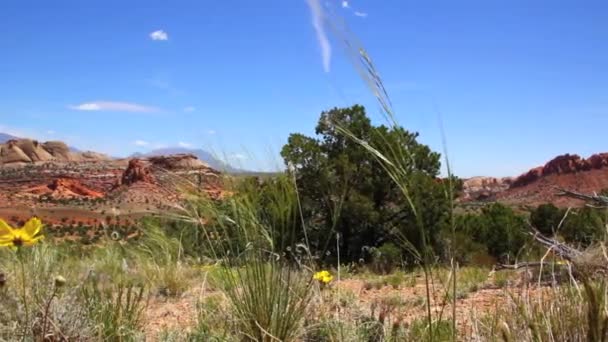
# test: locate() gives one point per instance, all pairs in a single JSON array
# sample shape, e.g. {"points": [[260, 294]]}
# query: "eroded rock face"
{"points": [[73, 186], [23, 151], [58, 149], [34, 150], [564, 164], [11, 153], [177, 162], [598, 161], [137, 171], [482, 188]]}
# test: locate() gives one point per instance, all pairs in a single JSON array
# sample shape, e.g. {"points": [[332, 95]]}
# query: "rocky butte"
{"points": [[540, 185], [58, 182]]}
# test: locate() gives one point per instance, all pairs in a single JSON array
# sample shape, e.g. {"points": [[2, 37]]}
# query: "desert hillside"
{"points": [[540, 185], [51, 181]]}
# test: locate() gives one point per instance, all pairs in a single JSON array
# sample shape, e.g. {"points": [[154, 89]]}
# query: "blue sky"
{"points": [[515, 82]]}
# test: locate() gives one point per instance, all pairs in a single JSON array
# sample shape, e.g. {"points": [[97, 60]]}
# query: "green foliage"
{"points": [[584, 226], [254, 234], [497, 227], [546, 218], [386, 258], [343, 188], [269, 301], [565, 313], [116, 309]]}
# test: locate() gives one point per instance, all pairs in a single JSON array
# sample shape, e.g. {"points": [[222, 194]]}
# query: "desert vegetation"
{"points": [[359, 240]]}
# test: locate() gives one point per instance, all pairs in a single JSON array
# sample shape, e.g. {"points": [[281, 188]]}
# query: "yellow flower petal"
{"points": [[32, 227], [6, 243], [31, 242], [5, 229]]}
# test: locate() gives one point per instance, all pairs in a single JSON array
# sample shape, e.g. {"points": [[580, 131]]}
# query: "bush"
{"points": [[498, 228], [546, 218], [584, 226], [386, 258]]}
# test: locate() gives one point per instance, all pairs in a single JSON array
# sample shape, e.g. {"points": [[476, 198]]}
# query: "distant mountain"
{"points": [[6, 137], [203, 155]]}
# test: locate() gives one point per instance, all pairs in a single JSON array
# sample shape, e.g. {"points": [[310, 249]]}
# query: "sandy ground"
{"points": [[180, 312]]}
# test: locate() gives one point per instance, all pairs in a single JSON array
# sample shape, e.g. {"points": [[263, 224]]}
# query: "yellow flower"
{"points": [[27, 235], [323, 276]]}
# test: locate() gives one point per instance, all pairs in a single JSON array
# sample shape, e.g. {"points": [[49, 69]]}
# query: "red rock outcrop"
{"points": [[564, 164], [137, 171], [568, 171], [64, 188], [74, 186]]}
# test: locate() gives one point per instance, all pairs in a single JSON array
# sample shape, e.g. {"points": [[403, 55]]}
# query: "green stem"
{"points": [[24, 294]]}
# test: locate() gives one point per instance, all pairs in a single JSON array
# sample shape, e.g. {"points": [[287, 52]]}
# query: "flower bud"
{"points": [[59, 281]]}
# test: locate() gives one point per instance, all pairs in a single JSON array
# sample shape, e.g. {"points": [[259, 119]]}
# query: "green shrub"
{"points": [[116, 310], [386, 258]]}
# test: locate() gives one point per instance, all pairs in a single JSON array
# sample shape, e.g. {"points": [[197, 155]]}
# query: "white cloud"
{"points": [[211, 132], [50, 132], [344, 4], [159, 35], [113, 107], [184, 144], [189, 109], [141, 143], [317, 22], [360, 14]]}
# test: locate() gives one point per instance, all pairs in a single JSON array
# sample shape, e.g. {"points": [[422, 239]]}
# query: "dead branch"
{"points": [[594, 200], [518, 265]]}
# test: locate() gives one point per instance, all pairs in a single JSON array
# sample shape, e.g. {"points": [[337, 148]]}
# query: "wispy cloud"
{"points": [[237, 156], [141, 143], [189, 109], [317, 22], [50, 132], [113, 107], [346, 5], [211, 132], [184, 144], [159, 35]]}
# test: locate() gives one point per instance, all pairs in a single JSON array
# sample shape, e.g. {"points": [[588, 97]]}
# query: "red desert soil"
{"points": [[180, 312]]}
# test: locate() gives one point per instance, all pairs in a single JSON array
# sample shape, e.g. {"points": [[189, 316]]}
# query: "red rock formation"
{"points": [[137, 171], [64, 185], [572, 172], [598, 161], [64, 188], [528, 177], [564, 164]]}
